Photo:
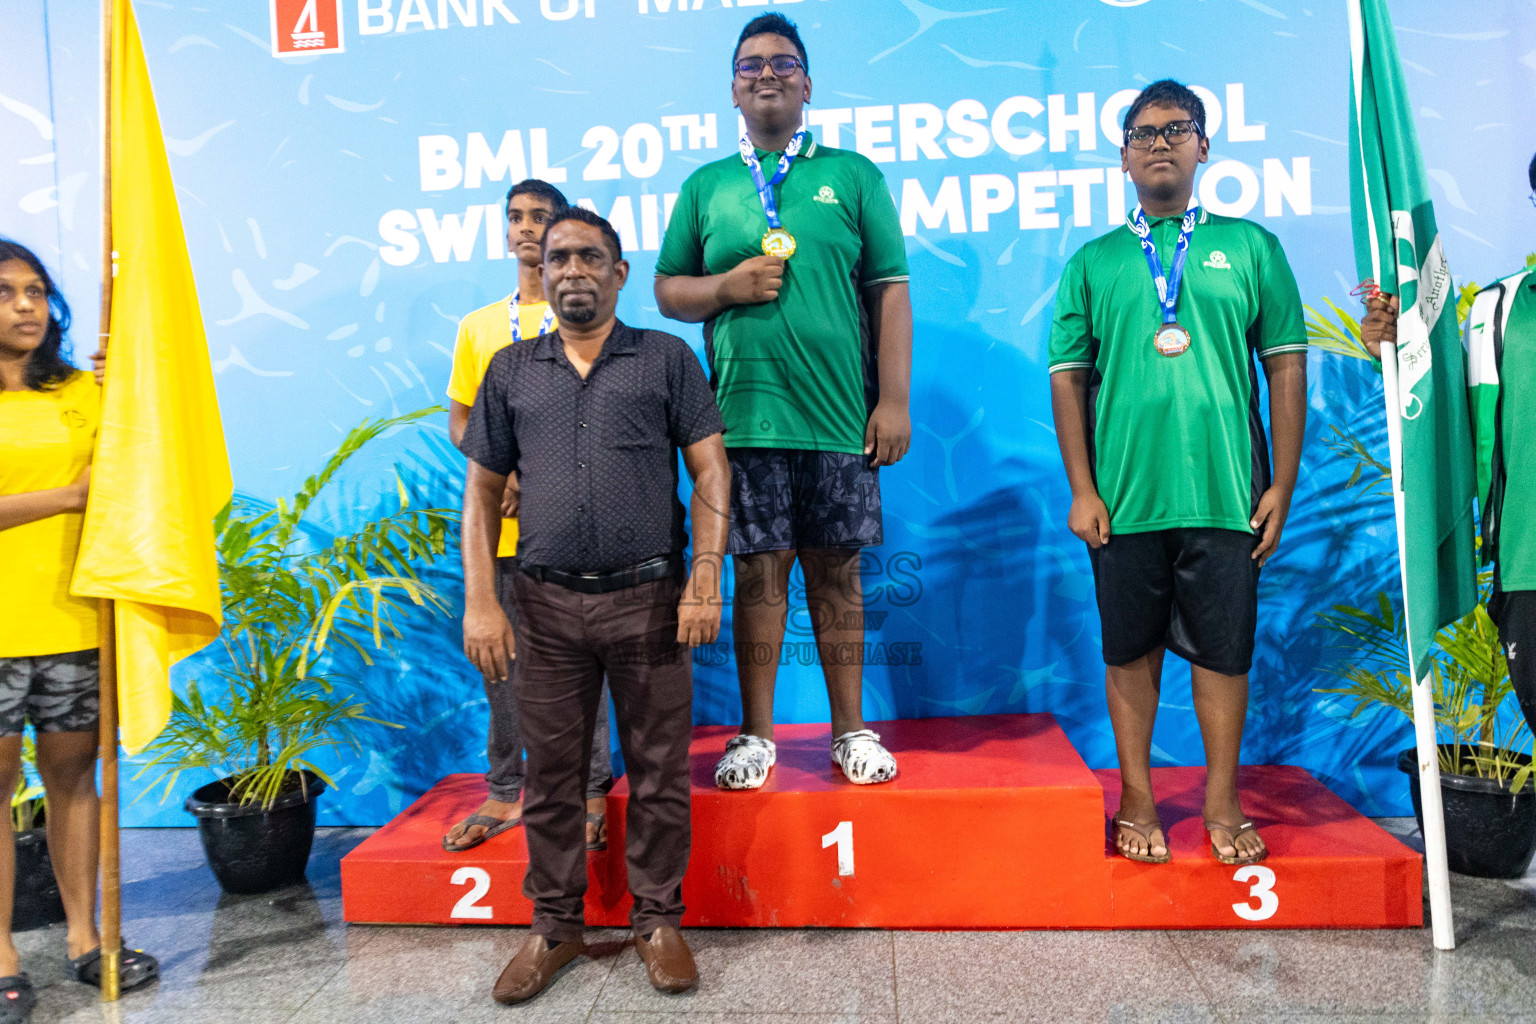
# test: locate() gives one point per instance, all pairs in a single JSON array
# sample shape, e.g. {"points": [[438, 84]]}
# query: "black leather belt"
{"points": [[607, 582]]}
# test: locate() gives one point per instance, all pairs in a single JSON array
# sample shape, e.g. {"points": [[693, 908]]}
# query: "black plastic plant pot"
{"points": [[252, 848], [37, 903], [1489, 831]]}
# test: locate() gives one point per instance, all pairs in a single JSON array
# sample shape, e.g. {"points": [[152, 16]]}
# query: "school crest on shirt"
{"points": [[74, 419], [1218, 260], [825, 195]]}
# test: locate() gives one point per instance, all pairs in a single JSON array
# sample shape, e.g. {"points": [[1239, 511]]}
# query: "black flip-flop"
{"points": [[597, 818], [135, 968], [492, 826], [17, 999]]}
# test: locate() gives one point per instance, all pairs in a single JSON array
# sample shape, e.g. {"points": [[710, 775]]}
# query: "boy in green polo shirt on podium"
{"points": [[792, 256], [1156, 405]]}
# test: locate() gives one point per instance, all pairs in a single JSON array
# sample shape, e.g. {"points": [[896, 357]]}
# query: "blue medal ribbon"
{"points": [[545, 324], [765, 187], [1167, 285]]}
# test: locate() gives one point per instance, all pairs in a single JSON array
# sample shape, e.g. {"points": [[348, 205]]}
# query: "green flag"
{"points": [[1398, 246]]}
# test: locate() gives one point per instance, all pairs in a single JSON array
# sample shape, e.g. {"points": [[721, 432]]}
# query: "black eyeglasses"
{"points": [[1176, 132], [752, 67]]}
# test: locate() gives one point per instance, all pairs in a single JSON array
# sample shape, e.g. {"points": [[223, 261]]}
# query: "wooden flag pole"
{"points": [[111, 875]]}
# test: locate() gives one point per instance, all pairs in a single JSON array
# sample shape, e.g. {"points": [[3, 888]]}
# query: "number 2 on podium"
{"points": [[468, 908], [843, 837]]}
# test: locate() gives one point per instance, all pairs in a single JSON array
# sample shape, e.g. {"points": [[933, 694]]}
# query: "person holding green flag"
{"points": [[1156, 401], [1500, 345], [1398, 253]]}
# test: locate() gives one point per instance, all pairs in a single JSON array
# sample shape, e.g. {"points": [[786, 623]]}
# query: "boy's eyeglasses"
{"points": [[1176, 132], [752, 67]]}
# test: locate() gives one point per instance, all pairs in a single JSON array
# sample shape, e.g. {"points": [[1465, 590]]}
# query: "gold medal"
{"points": [[780, 243], [1170, 340]]}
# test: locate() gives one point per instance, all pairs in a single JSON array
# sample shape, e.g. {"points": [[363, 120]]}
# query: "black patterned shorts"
{"points": [[786, 499], [55, 692]]}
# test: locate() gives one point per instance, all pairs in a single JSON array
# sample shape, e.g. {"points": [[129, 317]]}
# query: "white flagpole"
{"points": [[1425, 739]]}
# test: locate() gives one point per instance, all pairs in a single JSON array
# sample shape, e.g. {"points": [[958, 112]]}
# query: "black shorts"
{"points": [[785, 499], [1194, 591], [1514, 612]]}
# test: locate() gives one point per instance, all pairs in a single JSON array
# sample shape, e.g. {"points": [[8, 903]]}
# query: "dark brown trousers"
{"points": [[567, 642]]}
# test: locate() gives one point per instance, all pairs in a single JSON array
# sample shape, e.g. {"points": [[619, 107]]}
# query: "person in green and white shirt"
{"points": [[791, 255], [1500, 342], [1156, 403]]}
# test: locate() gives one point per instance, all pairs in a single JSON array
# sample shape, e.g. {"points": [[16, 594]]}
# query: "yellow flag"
{"points": [[160, 472]]}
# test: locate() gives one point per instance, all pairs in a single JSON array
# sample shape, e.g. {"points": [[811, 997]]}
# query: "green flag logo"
{"points": [[1422, 290]]}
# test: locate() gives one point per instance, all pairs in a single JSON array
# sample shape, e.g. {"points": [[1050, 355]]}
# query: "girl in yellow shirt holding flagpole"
{"points": [[48, 639]]}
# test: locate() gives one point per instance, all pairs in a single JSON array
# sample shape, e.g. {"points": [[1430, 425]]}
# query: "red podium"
{"points": [[994, 822]]}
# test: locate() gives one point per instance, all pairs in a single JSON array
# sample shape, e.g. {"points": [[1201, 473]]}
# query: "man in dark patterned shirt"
{"points": [[591, 418]]}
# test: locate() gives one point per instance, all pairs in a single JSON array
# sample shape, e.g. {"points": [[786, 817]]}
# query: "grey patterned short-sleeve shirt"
{"points": [[596, 459]]}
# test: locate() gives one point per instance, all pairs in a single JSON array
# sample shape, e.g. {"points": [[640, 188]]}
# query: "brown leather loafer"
{"points": [[668, 963], [532, 968]]}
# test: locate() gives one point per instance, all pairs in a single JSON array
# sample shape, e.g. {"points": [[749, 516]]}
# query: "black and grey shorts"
{"points": [[785, 499], [55, 692], [1194, 591]]}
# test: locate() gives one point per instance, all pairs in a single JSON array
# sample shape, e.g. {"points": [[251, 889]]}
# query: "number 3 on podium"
{"points": [[1262, 889], [843, 837]]}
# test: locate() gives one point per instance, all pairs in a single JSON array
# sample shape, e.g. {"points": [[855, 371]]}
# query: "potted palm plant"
{"points": [[298, 602], [1484, 746], [36, 902], [1484, 743]]}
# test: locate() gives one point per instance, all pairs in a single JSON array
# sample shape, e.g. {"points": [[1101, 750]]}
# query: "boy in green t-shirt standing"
{"points": [[792, 256], [1500, 343], [1156, 404]]}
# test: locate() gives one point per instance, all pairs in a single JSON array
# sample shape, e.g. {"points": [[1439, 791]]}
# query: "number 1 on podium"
{"points": [[843, 837]]}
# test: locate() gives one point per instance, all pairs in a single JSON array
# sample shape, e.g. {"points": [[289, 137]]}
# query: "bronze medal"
{"points": [[1171, 340]]}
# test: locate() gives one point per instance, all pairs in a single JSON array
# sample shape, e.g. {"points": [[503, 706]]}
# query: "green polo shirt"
{"points": [[797, 372], [1503, 399], [1177, 441]]}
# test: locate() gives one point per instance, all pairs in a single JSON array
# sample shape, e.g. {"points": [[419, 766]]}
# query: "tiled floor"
{"points": [[288, 957]]}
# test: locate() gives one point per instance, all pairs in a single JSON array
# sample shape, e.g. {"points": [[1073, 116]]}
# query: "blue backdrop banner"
{"points": [[342, 164]]}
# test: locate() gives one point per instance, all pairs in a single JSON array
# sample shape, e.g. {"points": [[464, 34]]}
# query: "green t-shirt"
{"points": [[800, 371], [1177, 441], [1514, 382]]}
